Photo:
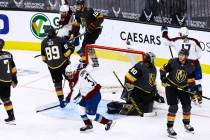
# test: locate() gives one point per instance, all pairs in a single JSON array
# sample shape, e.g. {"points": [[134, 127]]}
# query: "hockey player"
{"points": [[178, 77], [91, 20], [65, 22], [55, 53], [88, 97], [193, 46], [67, 28], [140, 83], [7, 78]]}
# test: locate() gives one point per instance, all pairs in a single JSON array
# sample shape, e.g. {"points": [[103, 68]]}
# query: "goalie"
{"points": [[140, 87]]}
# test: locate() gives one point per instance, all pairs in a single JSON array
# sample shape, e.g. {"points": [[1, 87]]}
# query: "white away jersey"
{"points": [[85, 83], [191, 44]]}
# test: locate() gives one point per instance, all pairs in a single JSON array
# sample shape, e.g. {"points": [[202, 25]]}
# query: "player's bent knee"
{"points": [[58, 85], [173, 108], [186, 108]]}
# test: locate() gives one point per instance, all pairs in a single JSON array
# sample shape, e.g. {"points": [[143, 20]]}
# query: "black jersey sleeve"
{"points": [[66, 48], [133, 74], [96, 17]]}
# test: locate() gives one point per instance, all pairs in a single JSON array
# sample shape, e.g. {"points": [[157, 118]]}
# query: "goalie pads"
{"points": [[116, 107]]}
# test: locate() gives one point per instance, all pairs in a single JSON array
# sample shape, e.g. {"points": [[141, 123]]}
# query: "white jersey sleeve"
{"points": [[64, 30]]}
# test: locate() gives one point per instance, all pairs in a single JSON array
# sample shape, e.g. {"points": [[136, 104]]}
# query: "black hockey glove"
{"points": [[14, 81], [159, 98], [164, 81]]}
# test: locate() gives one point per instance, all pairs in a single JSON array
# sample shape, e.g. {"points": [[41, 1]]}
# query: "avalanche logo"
{"points": [[38, 23]]}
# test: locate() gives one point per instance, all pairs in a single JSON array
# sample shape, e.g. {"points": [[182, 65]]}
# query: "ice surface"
{"points": [[36, 89]]}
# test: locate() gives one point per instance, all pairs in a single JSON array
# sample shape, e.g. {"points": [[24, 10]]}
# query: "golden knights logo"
{"points": [[152, 79], [181, 76]]}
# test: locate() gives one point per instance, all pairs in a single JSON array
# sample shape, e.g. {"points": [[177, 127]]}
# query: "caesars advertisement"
{"points": [[29, 27]]}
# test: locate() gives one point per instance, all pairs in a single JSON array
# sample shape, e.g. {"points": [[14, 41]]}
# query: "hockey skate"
{"points": [[86, 128], [189, 128], [10, 120], [171, 132], [109, 125]]}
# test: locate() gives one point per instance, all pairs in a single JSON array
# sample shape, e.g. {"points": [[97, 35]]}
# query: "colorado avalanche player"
{"points": [[67, 28], [88, 95], [195, 53]]}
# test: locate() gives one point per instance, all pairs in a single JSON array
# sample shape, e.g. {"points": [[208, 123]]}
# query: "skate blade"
{"points": [[191, 132], [87, 131], [174, 137], [10, 123]]}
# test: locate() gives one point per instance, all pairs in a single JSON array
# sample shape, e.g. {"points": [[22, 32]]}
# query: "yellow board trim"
{"points": [[113, 55]]}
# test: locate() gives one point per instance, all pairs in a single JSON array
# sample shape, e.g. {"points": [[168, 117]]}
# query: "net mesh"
{"points": [[112, 59]]}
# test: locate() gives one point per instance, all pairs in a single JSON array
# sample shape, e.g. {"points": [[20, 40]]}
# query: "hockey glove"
{"points": [[14, 81], [63, 103], [164, 81], [159, 98], [164, 28]]}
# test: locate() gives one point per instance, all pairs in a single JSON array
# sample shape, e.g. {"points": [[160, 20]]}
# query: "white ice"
{"points": [[36, 89]]}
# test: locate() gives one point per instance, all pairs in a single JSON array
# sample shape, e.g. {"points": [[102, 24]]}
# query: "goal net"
{"points": [[112, 59]]}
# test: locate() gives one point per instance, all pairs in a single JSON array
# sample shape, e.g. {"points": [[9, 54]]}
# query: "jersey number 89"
{"points": [[52, 52]]}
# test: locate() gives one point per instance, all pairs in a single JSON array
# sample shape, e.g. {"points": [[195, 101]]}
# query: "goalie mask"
{"points": [[149, 58], [1, 43]]}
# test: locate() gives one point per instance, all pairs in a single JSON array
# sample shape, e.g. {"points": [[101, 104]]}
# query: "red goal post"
{"points": [[141, 53]]}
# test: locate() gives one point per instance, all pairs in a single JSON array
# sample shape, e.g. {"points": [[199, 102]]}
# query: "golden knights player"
{"points": [[55, 53], [141, 84], [7, 78], [92, 21], [178, 77]]}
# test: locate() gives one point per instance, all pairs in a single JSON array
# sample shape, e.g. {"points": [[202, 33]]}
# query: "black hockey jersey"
{"points": [[8, 70], [178, 73], [143, 77], [54, 52], [89, 18]]}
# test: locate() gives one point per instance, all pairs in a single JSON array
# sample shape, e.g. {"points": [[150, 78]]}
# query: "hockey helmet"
{"points": [[184, 52], [1, 43], [184, 31], [80, 2], [50, 31], [74, 67], [149, 57], [64, 8]]}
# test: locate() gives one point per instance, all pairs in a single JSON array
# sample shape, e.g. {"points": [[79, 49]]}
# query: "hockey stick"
{"points": [[70, 40], [161, 16], [132, 101], [48, 108], [191, 93]]}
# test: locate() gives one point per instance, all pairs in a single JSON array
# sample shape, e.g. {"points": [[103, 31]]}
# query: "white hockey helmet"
{"points": [[74, 67], [64, 8], [184, 31]]}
